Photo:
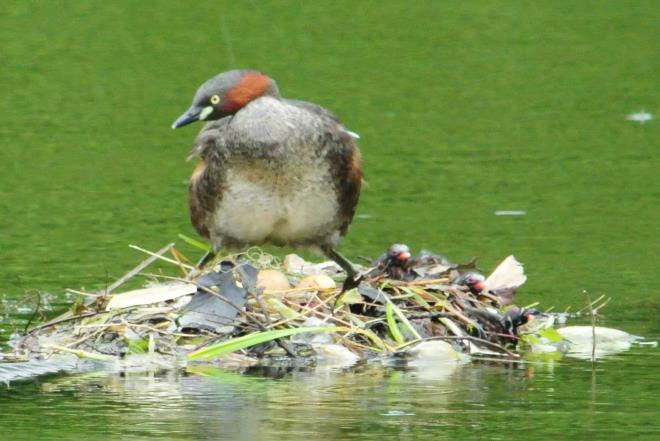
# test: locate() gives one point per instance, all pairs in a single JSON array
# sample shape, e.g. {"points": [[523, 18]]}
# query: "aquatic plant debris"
{"points": [[397, 413], [229, 313], [510, 213], [640, 117]]}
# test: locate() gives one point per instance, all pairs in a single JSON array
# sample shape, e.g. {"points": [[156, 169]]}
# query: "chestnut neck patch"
{"points": [[252, 85]]}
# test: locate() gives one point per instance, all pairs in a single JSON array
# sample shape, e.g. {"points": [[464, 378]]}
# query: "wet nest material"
{"points": [[252, 308]]}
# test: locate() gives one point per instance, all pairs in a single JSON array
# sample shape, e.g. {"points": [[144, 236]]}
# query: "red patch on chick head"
{"points": [[479, 285], [403, 255]]}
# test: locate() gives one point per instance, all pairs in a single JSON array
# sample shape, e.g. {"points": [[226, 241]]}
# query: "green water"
{"points": [[473, 402], [464, 108]]}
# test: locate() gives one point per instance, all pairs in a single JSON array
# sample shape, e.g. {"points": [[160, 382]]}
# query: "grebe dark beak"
{"points": [[191, 115]]}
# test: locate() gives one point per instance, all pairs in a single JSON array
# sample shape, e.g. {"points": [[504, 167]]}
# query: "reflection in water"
{"points": [[478, 399]]}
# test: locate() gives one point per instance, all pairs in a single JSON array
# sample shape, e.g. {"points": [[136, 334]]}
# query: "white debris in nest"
{"points": [[334, 356], [297, 265]]}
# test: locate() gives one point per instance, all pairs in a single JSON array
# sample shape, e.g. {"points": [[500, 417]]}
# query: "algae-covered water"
{"points": [[464, 109]]}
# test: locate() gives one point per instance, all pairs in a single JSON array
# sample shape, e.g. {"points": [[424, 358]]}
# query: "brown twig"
{"points": [[590, 303], [34, 313], [142, 265], [593, 329], [62, 320], [421, 282], [160, 257]]}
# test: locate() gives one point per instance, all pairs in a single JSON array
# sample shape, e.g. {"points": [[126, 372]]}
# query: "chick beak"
{"points": [[479, 286], [403, 256], [191, 115]]}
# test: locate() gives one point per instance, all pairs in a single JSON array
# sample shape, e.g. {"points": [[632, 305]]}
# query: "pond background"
{"points": [[463, 108]]}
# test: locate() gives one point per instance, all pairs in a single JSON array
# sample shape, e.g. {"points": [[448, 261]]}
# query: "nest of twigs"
{"points": [[253, 308]]}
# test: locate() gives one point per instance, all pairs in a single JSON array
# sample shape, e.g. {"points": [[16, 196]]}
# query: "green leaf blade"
{"points": [[236, 344], [391, 322], [195, 243]]}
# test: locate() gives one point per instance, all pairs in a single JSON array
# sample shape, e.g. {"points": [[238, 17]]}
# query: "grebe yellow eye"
{"points": [[215, 99]]}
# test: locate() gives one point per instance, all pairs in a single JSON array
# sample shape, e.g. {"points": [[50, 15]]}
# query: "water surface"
{"points": [[566, 400], [464, 109]]}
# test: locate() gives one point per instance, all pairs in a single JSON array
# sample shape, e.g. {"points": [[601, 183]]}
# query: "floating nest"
{"points": [[251, 308]]}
